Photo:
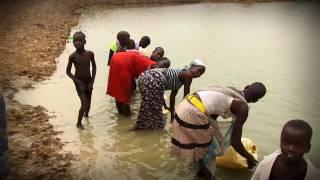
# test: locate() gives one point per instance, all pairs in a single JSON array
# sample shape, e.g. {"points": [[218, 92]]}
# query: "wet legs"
{"points": [[88, 95], [85, 99], [123, 108]]}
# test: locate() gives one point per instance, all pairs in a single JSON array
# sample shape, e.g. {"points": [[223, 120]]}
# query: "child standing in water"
{"points": [[120, 44], [289, 163], [82, 78]]}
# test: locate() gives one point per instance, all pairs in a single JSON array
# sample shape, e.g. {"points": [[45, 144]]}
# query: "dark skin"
{"points": [[157, 54], [290, 163], [240, 110], [124, 40], [186, 77], [144, 42], [82, 78], [123, 108], [110, 56]]}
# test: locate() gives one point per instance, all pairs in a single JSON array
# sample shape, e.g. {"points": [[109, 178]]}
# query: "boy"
{"points": [[157, 54], [82, 78], [164, 62], [143, 43], [289, 163], [123, 40]]}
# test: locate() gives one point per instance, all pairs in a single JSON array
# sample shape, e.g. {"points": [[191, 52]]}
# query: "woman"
{"points": [[198, 136], [124, 68], [154, 82]]}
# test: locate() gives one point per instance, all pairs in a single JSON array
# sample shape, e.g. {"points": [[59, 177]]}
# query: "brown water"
{"points": [[275, 43]]}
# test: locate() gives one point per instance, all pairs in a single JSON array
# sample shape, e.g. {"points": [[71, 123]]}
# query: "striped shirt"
{"points": [[172, 79]]}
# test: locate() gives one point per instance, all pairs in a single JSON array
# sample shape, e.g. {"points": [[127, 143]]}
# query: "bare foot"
{"points": [[80, 126]]}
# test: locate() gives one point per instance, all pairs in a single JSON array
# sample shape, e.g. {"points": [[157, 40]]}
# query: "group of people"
{"points": [[196, 134]]}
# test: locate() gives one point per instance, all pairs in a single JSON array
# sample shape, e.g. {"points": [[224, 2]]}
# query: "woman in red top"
{"points": [[124, 68]]}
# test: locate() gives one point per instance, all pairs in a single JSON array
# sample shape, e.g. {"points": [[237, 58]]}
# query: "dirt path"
{"points": [[33, 34]]}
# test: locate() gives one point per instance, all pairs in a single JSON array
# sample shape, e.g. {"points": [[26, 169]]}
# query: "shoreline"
{"points": [[34, 35]]}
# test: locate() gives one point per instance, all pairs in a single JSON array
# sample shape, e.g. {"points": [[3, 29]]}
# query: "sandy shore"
{"points": [[33, 34]]}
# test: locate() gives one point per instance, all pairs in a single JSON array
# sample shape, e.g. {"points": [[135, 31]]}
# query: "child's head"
{"points": [[295, 140], [157, 53], [164, 62], [254, 92], [79, 40], [144, 41], [123, 38], [131, 44]]}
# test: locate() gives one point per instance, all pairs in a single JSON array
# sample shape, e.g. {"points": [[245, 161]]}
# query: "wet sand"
{"points": [[33, 34]]}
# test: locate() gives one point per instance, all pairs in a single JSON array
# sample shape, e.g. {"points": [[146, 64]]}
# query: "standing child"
{"points": [[120, 44], [82, 78], [289, 163]]}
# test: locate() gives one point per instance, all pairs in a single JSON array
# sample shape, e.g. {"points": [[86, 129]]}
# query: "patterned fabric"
{"points": [[151, 85], [172, 79], [4, 153]]}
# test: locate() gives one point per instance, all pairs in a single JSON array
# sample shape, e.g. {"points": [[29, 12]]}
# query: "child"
{"points": [[124, 68], [143, 43], [83, 79], [132, 45], [289, 163], [164, 62], [123, 40], [157, 54]]}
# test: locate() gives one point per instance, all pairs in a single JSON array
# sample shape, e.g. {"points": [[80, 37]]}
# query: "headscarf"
{"points": [[195, 62]]}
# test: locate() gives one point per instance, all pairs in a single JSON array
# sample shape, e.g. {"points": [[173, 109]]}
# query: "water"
{"points": [[275, 43]]}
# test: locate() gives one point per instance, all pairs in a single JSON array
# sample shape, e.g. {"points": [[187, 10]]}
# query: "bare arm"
{"points": [[172, 102], [187, 83], [94, 67], [240, 109], [68, 70], [110, 56], [164, 103]]}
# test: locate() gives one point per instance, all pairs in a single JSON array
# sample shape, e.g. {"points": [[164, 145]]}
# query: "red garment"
{"points": [[124, 68]]}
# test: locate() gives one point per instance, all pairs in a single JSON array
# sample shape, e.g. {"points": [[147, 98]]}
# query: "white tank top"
{"points": [[216, 103]]}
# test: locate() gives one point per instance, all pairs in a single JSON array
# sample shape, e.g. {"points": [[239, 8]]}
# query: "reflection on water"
{"points": [[270, 42]]}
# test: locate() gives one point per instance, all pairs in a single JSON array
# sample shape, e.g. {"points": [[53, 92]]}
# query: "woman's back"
{"points": [[172, 78]]}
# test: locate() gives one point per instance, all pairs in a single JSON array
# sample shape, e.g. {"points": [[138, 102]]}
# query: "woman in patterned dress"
{"points": [[152, 84]]}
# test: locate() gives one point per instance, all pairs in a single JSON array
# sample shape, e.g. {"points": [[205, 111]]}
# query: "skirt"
{"points": [[191, 133], [151, 84]]}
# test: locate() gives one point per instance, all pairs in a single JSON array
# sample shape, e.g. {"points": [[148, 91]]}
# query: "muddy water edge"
{"points": [[33, 34]]}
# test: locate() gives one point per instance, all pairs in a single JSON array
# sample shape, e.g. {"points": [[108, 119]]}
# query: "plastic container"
{"points": [[231, 159]]}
